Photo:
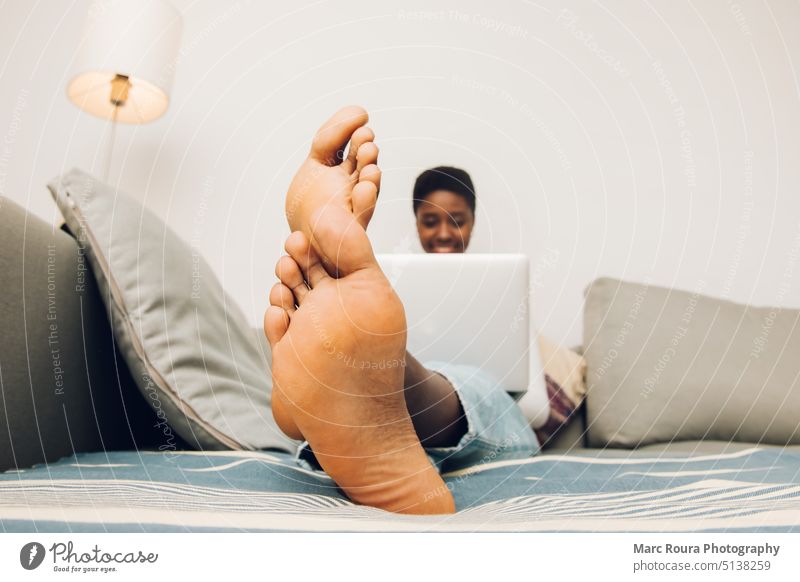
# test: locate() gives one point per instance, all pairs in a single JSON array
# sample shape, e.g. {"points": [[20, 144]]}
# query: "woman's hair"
{"points": [[444, 178]]}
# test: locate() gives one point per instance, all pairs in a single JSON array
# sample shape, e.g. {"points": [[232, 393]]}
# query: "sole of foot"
{"points": [[338, 347]]}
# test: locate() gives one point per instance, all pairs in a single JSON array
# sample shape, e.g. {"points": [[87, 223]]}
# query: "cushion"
{"points": [[666, 365], [565, 367], [188, 345], [565, 388], [63, 387]]}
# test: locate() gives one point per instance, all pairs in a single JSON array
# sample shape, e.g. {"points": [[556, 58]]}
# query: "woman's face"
{"points": [[444, 222]]}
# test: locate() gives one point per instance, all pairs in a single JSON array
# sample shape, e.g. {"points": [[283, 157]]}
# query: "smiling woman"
{"points": [[444, 204]]}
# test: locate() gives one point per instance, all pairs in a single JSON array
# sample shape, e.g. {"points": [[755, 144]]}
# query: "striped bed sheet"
{"points": [[756, 489]]}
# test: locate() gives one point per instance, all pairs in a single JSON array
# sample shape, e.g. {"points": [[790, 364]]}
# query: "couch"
{"points": [[80, 448]]}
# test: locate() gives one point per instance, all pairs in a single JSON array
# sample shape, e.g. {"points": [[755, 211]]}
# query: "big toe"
{"points": [[330, 141], [306, 259], [341, 241]]}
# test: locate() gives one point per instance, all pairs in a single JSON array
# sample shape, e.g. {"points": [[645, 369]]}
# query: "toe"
{"points": [[304, 255], [365, 196], [361, 137], [288, 272], [281, 296], [341, 240], [331, 139], [367, 155], [371, 173], [276, 323]]}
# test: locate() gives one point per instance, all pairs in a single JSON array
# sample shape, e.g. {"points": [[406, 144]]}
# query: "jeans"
{"points": [[496, 428]]}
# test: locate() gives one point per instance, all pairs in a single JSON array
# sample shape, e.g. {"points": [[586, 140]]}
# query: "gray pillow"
{"points": [[667, 365], [189, 348]]}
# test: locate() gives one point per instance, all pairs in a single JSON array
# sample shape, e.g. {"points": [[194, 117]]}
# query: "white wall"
{"points": [[654, 140]]}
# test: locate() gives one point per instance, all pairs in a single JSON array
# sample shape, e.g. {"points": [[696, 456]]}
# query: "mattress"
{"points": [[750, 489]]}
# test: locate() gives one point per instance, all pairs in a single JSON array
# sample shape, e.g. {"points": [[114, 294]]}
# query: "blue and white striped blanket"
{"points": [[750, 490]]}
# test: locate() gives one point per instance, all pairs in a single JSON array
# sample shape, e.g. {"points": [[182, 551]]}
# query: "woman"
{"points": [[444, 206]]}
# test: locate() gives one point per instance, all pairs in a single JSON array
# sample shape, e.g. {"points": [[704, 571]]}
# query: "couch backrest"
{"points": [[64, 387]]}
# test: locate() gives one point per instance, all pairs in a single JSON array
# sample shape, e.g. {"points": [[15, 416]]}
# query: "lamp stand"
{"points": [[120, 86]]}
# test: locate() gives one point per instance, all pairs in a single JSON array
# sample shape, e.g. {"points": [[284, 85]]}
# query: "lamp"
{"points": [[126, 61]]}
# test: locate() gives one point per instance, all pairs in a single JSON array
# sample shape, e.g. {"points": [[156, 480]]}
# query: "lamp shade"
{"points": [[136, 42]]}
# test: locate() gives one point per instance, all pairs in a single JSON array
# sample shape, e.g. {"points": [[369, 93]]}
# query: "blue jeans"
{"points": [[496, 428]]}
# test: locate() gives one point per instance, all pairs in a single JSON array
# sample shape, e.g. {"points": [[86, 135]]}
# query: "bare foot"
{"points": [[363, 196], [338, 347], [329, 177]]}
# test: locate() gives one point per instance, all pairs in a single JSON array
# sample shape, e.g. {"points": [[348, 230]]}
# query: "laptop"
{"points": [[469, 309]]}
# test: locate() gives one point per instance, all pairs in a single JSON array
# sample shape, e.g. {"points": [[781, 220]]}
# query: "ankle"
{"points": [[434, 406]]}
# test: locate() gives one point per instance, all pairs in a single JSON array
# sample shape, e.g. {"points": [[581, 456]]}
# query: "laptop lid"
{"points": [[468, 309]]}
